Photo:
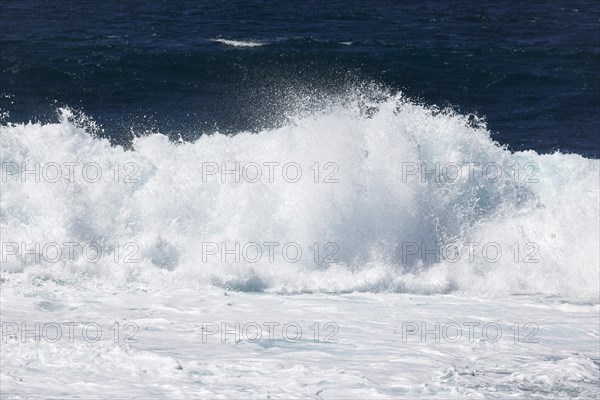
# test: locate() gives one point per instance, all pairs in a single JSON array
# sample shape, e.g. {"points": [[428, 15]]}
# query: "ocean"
{"points": [[256, 199]]}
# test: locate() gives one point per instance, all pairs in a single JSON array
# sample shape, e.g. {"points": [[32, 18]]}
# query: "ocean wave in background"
{"points": [[238, 43], [370, 213]]}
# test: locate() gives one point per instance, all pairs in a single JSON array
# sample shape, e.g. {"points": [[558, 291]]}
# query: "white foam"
{"points": [[371, 353], [369, 213]]}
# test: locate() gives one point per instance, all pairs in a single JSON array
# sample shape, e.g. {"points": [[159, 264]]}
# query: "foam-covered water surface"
{"points": [[205, 343]]}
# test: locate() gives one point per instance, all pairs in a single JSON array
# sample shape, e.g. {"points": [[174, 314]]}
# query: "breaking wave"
{"points": [[360, 195]]}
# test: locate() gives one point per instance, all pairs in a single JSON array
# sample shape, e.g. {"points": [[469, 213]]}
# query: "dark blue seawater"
{"points": [[531, 68]]}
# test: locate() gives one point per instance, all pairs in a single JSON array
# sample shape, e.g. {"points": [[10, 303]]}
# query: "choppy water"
{"points": [[188, 68]]}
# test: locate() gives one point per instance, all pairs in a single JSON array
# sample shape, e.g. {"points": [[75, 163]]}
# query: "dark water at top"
{"points": [[532, 68]]}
